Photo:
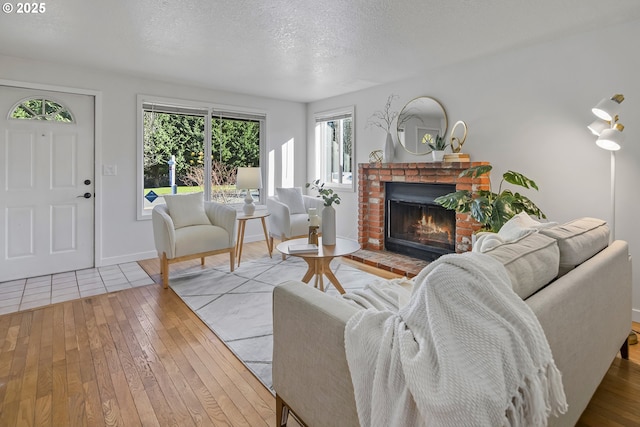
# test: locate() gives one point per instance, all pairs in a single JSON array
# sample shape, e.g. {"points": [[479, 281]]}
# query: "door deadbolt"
{"points": [[87, 181]]}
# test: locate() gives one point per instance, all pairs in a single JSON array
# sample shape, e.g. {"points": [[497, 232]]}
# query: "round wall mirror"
{"points": [[420, 121]]}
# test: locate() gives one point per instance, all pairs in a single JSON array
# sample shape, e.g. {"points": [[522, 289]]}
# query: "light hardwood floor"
{"points": [[141, 357]]}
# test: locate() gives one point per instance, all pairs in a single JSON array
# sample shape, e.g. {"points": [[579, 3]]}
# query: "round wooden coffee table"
{"points": [[318, 263]]}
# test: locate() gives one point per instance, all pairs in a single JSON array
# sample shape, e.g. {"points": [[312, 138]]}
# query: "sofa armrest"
{"points": [[164, 233], [279, 220], [310, 371], [223, 216], [586, 317]]}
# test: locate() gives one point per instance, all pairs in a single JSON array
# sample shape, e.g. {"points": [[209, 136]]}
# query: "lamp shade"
{"points": [[608, 108], [611, 139], [598, 126], [248, 178]]}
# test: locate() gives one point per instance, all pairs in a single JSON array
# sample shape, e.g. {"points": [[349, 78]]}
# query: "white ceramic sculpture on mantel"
{"points": [[389, 152]]}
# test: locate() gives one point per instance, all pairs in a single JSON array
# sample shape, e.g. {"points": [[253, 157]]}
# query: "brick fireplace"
{"points": [[372, 178]]}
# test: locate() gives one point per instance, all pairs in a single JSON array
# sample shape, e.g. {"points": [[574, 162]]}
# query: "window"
{"points": [[335, 148], [41, 109], [188, 147]]}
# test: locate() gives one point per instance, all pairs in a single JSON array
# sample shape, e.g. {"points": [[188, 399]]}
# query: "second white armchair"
{"points": [[289, 216]]}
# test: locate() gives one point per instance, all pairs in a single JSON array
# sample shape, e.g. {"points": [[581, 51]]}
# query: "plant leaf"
{"points": [[459, 201], [524, 204], [476, 171], [481, 210], [517, 178]]}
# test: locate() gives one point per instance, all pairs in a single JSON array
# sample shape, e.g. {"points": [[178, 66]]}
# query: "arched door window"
{"points": [[41, 109]]}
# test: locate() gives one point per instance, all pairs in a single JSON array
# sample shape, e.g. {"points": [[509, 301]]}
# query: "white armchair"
{"points": [[285, 223], [187, 228]]}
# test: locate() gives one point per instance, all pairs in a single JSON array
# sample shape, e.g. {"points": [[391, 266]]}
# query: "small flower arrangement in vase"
{"points": [[328, 223]]}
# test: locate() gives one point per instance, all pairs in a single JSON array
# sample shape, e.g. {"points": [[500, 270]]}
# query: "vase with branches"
{"points": [[383, 120]]}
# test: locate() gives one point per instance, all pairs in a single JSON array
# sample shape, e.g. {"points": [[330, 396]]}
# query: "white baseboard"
{"points": [[635, 315], [126, 258]]}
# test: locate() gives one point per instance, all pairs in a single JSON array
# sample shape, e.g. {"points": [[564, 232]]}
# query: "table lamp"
{"points": [[248, 178]]}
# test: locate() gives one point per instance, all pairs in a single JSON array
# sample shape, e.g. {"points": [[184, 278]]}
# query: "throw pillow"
{"points": [[292, 197], [187, 209], [520, 225]]}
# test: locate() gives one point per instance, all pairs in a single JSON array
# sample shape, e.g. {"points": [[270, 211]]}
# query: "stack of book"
{"points": [[305, 248]]}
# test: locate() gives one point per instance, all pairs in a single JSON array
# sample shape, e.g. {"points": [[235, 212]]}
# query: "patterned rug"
{"points": [[237, 306]]}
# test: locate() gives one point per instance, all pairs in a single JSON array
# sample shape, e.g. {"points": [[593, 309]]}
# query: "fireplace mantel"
{"points": [[371, 195]]}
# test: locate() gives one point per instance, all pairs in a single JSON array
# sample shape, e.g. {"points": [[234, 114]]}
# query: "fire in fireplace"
{"points": [[415, 225]]}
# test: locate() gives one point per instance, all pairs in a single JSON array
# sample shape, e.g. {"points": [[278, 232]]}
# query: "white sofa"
{"points": [[585, 313]]}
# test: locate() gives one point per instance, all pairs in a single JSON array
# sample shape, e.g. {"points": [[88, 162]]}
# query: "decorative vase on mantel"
{"points": [[328, 225], [389, 151]]}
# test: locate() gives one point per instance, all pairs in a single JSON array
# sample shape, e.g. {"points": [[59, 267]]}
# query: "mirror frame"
{"points": [[400, 133]]}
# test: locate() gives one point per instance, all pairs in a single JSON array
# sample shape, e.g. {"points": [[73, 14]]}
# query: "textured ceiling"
{"points": [[300, 50]]}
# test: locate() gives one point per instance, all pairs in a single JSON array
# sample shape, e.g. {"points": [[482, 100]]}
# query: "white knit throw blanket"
{"points": [[465, 350]]}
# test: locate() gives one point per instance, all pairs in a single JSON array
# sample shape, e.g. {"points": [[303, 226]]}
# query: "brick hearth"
{"points": [[371, 213]]}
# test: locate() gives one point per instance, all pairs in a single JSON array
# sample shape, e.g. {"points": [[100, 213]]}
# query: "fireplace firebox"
{"points": [[415, 225]]}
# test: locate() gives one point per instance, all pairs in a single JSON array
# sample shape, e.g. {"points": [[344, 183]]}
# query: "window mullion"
{"points": [[207, 157]]}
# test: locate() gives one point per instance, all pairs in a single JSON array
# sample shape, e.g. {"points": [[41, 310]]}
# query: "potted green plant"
{"points": [[328, 225], [437, 144], [491, 209]]}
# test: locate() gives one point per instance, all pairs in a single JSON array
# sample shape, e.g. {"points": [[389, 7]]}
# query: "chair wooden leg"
{"points": [[164, 270], [282, 412], [232, 258]]}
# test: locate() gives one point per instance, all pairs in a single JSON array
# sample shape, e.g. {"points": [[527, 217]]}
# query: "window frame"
{"points": [[320, 152], [208, 110]]}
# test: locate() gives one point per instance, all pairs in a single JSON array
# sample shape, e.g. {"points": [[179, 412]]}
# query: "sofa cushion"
{"points": [[578, 240], [187, 209], [531, 261], [292, 197]]}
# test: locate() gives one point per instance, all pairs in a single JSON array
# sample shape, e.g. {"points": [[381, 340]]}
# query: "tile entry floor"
{"points": [[24, 294]]}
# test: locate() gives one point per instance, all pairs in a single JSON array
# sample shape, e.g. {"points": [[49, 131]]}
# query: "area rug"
{"points": [[237, 306]]}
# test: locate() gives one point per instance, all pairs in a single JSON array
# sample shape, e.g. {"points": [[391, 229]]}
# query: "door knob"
{"points": [[86, 195]]}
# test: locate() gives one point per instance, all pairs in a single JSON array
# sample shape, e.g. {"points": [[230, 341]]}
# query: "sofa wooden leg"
{"points": [[624, 350], [232, 258], [282, 412]]}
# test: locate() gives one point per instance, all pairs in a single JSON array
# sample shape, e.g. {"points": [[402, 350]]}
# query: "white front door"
{"points": [[46, 187]]}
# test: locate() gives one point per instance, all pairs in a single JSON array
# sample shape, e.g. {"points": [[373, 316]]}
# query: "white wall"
{"points": [[527, 110], [123, 238]]}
